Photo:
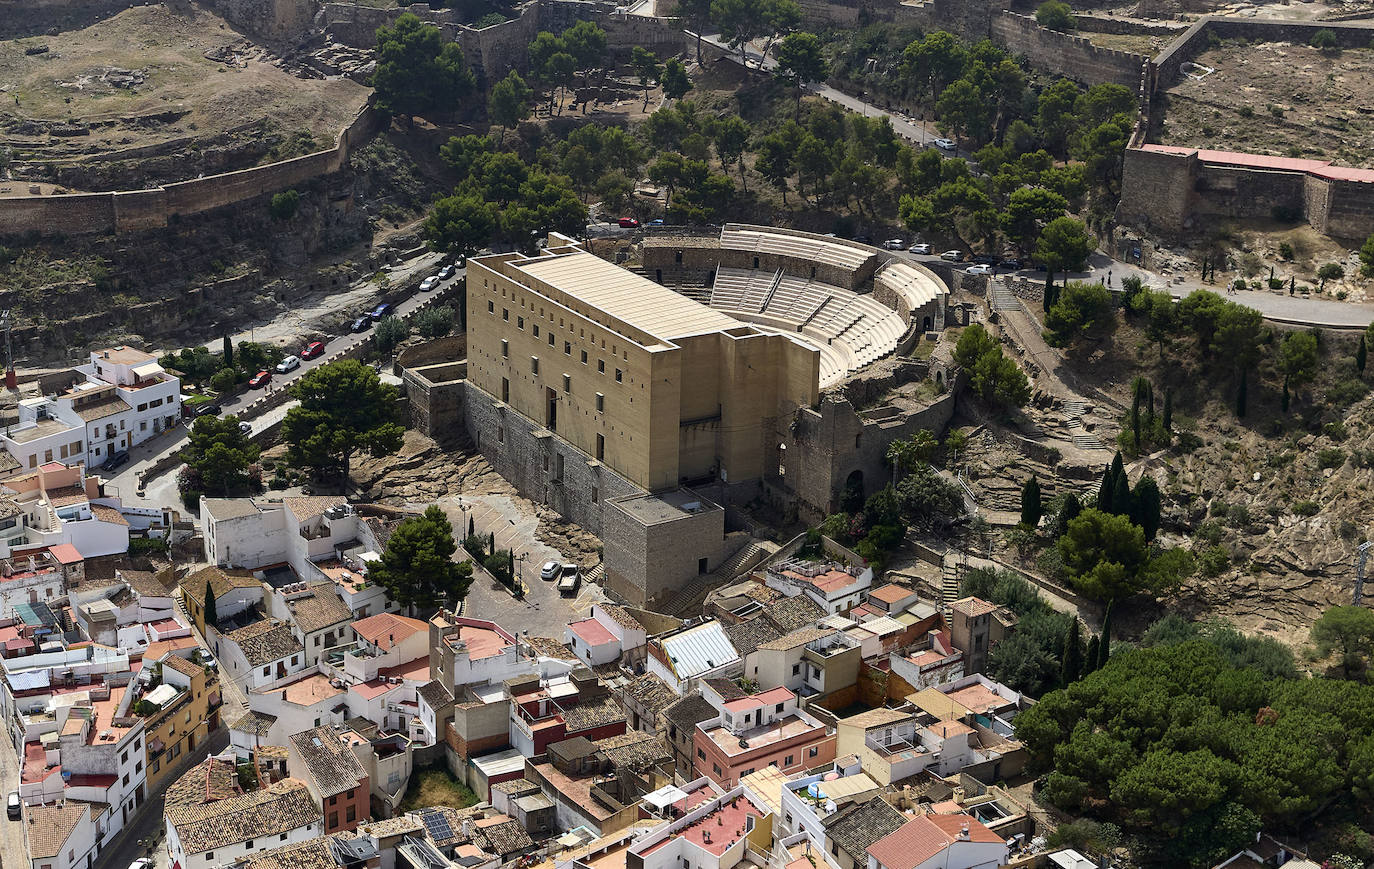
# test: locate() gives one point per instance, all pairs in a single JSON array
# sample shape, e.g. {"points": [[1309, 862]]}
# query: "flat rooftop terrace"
{"points": [[655, 509], [623, 295]]}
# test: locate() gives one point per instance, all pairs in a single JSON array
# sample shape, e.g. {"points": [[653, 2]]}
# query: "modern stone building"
{"points": [[605, 395]]}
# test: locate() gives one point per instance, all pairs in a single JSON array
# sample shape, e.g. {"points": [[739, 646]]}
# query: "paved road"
{"points": [[161, 491], [13, 849]]}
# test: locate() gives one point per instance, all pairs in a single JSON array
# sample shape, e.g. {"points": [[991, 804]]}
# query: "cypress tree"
{"points": [[1168, 411], [1072, 666], [1031, 511], [491, 543], [1121, 495], [1150, 394], [229, 352], [211, 616], [1360, 353], [1104, 491], [1283, 402], [472, 530], [1104, 649], [1048, 292], [1147, 503], [1090, 660], [1067, 513], [1240, 397]]}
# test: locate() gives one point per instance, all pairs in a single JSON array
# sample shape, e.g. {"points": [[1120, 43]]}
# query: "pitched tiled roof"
{"points": [[797, 638], [108, 514], [221, 582], [516, 787], [856, 827], [309, 506], [651, 692], [875, 718], [254, 722], [792, 613], [435, 694], [101, 409], [549, 648], [328, 760], [321, 609], [635, 750], [385, 630], [310, 854], [972, 606], [277, 808], [506, 837], [726, 688], [210, 780], [182, 666], [747, 636], [265, 641], [149, 584], [925, 837], [51, 825], [689, 711], [596, 712], [620, 616]]}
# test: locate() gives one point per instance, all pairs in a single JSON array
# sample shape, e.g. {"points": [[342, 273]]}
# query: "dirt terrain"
{"points": [[1277, 98], [152, 75]]}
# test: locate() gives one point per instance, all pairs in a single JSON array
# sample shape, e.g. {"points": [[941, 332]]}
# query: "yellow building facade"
{"points": [[657, 387], [180, 725]]}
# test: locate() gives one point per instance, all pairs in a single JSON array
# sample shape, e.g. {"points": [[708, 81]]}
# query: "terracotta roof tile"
{"points": [[278, 808]]}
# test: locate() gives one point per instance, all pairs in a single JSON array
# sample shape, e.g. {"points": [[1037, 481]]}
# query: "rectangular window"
{"points": [[600, 448], [788, 761], [567, 348], [534, 364], [248, 844], [505, 314], [596, 495], [491, 307], [584, 357], [618, 376], [701, 754], [567, 383], [796, 668], [351, 813], [505, 349], [536, 331], [813, 751], [505, 389], [600, 402], [500, 434], [550, 337], [601, 366], [143, 406], [520, 322]]}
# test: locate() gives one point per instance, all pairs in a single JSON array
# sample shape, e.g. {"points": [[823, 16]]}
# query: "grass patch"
{"points": [[436, 787]]}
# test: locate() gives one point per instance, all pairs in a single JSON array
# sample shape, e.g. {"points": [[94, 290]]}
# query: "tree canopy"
{"points": [[344, 407], [219, 453], [417, 71], [417, 566]]}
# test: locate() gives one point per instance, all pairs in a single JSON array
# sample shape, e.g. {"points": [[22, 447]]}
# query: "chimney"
{"points": [[963, 832]]}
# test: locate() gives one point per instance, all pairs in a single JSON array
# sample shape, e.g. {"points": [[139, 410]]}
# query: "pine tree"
{"points": [[1240, 397], [1031, 510], [1360, 353], [1169, 411], [211, 616], [1104, 649], [1090, 659], [1072, 666]]}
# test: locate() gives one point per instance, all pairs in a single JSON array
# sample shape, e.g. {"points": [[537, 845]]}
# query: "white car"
{"points": [[953, 256], [550, 571], [245, 428], [894, 244], [920, 247], [980, 269], [446, 272], [429, 283], [290, 363], [945, 144], [141, 863]]}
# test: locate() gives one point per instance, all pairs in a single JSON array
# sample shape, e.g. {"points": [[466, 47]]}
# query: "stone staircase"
{"points": [[594, 575], [952, 568], [1073, 410], [688, 600], [1004, 299]]}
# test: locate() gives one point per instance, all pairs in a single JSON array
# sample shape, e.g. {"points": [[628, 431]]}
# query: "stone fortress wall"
{"points": [[1168, 193]]}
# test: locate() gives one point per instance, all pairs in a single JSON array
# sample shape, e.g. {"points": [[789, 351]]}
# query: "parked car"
{"points": [[12, 806], [863, 239], [945, 144], [116, 460], [1010, 264], [141, 863], [313, 349], [980, 269], [382, 310], [986, 259], [447, 272], [628, 223], [262, 378], [361, 324], [290, 363], [657, 221], [570, 579], [462, 261], [208, 409], [550, 571], [894, 244], [920, 247], [953, 256], [429, 283]]}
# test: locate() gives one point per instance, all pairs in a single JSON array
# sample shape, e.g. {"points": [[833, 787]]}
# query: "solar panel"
{"points": [[436, 824]]}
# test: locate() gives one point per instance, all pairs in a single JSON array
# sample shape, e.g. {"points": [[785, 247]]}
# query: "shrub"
{"points": [[147, 546], [1213, 561], [1276, 283], [1335, 430], [434, 322], [1330, 457], [1056, 15], [1323, 39], [1344, 393], [1306, 508], [284, 205], [224, 379], [1208, 532], [1238, 284], [1246, 112], [1285, 250]]}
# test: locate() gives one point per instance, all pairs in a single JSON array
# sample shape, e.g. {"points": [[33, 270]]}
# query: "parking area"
{"points": [[543, 612]]}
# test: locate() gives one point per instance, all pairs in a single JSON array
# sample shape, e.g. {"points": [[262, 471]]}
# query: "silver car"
{"points": [[550, 571], [920, 247]]}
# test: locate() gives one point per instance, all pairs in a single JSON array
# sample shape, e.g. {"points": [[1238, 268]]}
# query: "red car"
{"points": [[628, 223], [260, 379], [313, 349]]}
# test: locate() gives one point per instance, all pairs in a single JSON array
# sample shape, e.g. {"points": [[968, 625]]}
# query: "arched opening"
{"points": [[852, 498], [782, 460], [940, 379], [926, 324]]}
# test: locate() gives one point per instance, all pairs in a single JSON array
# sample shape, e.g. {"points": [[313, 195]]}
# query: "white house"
{"points": [[608, 634], [383, 641], [60, 836], [123, 398], [318, 617], [711, 836], [58, 504], [683, 657], [216, 833], [260, 653], [939, 842]]}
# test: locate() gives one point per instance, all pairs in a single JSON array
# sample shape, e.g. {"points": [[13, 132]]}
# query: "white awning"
{"points": [[665, 796]]}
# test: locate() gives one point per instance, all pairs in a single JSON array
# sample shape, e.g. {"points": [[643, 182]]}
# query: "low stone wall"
{"points": [[135, 210], [1089, 23]]}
